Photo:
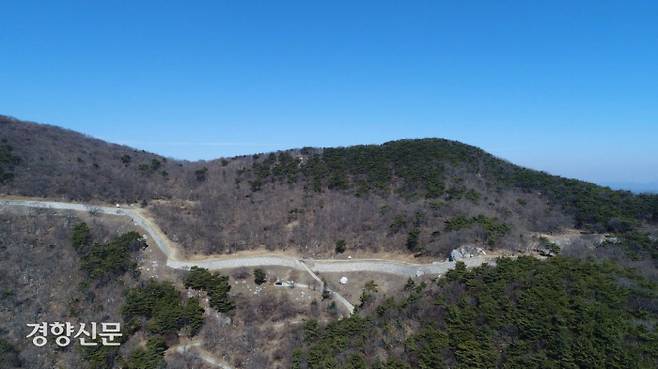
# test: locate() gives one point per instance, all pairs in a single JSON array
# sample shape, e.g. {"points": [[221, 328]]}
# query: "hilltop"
{"points": [[421, 196], [593, 305]]}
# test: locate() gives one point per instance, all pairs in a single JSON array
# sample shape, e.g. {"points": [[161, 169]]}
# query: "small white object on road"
{"points": [[343, 280]]}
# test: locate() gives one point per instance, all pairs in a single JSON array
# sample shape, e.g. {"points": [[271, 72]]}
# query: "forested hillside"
{"points": [[59, 266], [44, 276], [595, 305], [405, 196], [524, 313]]}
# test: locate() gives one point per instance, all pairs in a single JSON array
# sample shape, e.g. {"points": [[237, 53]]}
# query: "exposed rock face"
{"points": [[465, 252]]}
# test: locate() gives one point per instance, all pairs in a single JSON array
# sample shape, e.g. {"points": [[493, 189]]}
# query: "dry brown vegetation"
{"points": [[258, 334], [296, 200], [214, 206], [41, 281]]}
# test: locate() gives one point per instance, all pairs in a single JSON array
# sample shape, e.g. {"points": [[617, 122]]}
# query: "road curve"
{"points": [[316, 265], [311, 266]]}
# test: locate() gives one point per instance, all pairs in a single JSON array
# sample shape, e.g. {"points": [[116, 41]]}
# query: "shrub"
{"points": [[150, 357], [81, 237], [201, 174], [493, 229], [99, 357], [340, 246], [160, 304], [126, 159], [216, 285], [412, 240], [399, 223], [7, 162], [9, 356], [103, 261], [637, 245], [260, 276], [368, 292]]}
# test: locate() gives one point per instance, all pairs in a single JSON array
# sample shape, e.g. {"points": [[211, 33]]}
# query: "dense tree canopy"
{"points": [[524, 313], [7, 161], [102, 261], [215, 284], [160, 305], [235, 203], [426, 166]]}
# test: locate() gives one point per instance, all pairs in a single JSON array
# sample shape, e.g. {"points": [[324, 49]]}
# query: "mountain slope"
{"points": [[422, 196], [523, 313]]}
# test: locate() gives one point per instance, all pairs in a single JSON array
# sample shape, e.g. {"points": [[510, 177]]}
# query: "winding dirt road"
{"points": [[311, 266], [316, 265]]}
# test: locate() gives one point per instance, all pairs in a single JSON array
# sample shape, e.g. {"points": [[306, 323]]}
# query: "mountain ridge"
{"points": [[400, 195], [586, 299]]}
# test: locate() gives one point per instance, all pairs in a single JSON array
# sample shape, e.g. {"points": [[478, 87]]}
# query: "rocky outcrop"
{"points": [[466, 252]]}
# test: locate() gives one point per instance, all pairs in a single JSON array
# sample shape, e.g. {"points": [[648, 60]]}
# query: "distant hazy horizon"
{"points": [[634, 187]]}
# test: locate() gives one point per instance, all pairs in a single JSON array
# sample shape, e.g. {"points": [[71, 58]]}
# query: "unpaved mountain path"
{"points": [[310, 266]]}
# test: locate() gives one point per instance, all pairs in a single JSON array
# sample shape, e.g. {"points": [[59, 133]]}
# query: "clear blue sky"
{"points": [[570, 87]]}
